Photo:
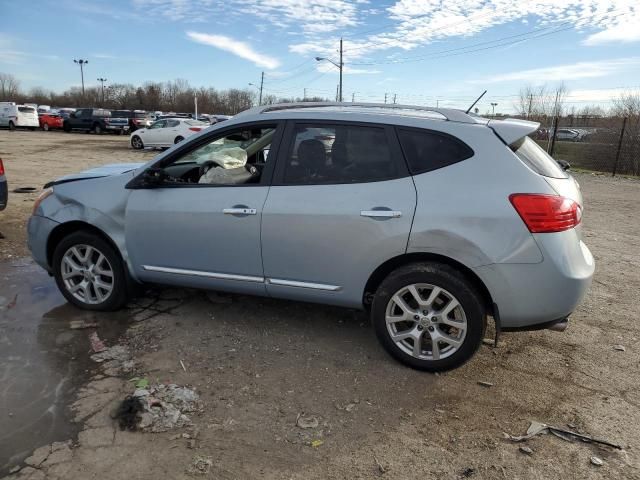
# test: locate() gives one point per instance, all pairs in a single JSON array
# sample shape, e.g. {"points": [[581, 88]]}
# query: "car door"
{"points": [[204, 234], [170, 131], [341, 204], [151, 136]]}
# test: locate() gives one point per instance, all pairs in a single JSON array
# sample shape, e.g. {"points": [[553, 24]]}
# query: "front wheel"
{"points": [[90, 273], [136, 143], [45, 127], [97, 129], [178, 139], [429, 316], [12, 126]]}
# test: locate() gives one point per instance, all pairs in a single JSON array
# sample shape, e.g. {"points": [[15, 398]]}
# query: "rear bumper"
{"points": [[530, 295], [38, 231]]}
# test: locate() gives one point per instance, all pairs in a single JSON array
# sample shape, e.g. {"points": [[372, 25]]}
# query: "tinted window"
{"points": [[326, 154], [426, 151], [121, 114], [27, 109], [537, 159], [172, 123]]}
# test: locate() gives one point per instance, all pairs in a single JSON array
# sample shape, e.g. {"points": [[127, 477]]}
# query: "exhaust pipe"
{"points": [[560, 326]]}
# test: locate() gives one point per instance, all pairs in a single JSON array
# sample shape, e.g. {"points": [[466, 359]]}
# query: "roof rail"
{"points": [[450, 114]]}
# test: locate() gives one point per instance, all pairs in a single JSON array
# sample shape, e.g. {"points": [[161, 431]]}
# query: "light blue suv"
{"points": [[431, 219]]}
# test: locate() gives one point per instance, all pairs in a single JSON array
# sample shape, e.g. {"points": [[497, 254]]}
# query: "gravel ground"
{"points": [[258, 364]]}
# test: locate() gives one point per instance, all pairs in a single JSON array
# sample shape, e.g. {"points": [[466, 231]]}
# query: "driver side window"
{"points": [[238, 157]]}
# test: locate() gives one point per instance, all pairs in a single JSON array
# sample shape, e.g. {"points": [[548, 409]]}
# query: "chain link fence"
{"points": [[603, 144]]}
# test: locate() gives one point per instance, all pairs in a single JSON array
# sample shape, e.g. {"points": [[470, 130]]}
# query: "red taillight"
{"points": [[546, 213], [1, 168], [195, 129]]}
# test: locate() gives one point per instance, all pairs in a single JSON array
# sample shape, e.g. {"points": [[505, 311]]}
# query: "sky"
{"points": [[423, 52]]}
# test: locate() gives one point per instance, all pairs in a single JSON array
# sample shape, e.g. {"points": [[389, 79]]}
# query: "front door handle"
{"points": [[381, 213], [240, 211]]}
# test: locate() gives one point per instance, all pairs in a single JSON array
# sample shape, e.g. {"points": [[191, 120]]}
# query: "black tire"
{"points": [[119, 293], [66, 127], [12, 126], [137, 143], [447, 278], [45, 127], [97, 129], [178, 139]]}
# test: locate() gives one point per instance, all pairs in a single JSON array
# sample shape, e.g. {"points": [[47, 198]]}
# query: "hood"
{"points": [[103, 171]]}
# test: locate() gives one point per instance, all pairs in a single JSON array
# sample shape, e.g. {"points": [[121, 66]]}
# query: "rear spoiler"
{"points": [[512, 129]]}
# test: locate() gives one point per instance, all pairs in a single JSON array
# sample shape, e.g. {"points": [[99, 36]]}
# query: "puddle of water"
{"points": [[42, 360]]}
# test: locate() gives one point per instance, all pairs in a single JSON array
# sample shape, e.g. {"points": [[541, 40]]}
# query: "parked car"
{"points": [[137, 118], [14, 116], [430, 219], [65, 112], [50, 121], [44, 108], [165, 133], [4, 187], [96, 120], [566, 134]]}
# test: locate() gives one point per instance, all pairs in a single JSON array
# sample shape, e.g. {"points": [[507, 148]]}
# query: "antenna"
{"points": [[474, 103]]}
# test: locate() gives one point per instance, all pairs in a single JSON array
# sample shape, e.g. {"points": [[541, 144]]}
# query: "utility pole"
{"points": [[305, 95], [493, 109], [82, 63], [385, 97], [102, 80], [394, 98], [261, 85], [341, 65], [353, 97]]}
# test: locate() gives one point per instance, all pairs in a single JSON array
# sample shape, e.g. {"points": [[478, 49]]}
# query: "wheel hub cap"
{"points": [[426, 321], [87, 274]]}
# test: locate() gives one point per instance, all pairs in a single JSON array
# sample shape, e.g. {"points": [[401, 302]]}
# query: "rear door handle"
{"points": [[240, 211], [381, 213]]}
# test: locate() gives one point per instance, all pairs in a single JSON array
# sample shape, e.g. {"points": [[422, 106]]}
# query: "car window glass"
{"points": [[236, 158], [172, 123], [326, 154], [426, 151], [158, 124], [537, 159]]}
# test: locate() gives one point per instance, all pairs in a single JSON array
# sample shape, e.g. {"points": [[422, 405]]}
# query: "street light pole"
{"points": [[102, 80], [339, 66], [81, 62], [493, 109]]}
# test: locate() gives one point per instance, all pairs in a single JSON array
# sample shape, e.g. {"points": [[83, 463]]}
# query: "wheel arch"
{"points": [[380, 273], [64, 229]]}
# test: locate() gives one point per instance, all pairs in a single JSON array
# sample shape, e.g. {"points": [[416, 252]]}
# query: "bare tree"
{"points": [[9, 87]]}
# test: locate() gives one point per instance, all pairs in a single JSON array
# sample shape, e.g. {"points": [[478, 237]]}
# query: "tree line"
{"points": [[172, 96]]}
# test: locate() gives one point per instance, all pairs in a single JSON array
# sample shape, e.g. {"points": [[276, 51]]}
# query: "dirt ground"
{"points": [[258, 364]]}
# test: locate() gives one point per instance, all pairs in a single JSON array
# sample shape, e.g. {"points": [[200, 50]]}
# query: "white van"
{"points": [[14, 116]]}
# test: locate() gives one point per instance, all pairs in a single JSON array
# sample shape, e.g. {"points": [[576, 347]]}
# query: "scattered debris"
{"points": [[80, 324], [200, 465], [597, 461], [440, 411], [485, 384], [97, 345], [527, 450], [381, 467], [142, 382], [619, 348], [183, 367], [306, 422], [537, 428], [128, 413], [350, 407], [316, 443], [467, 472], [24, 190], [164, 407], [116, 360], [489, 341], [13, 302]]}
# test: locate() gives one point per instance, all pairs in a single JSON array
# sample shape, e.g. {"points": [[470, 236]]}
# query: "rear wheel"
{"points": [[45, 127], [178, 139], [89, 272], [137, 143], [66, 127], [12, 126], [429, 316], [97, 129]]}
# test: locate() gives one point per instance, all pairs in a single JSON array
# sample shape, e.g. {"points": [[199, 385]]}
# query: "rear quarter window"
{"points": [[27, 109], [537, 159], [427, 150]]}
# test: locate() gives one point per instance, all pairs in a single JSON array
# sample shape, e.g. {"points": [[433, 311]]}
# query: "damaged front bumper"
{"points": [[38, 230]]}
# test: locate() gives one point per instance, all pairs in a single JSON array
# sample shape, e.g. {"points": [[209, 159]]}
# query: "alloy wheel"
{"points": [[426, 321], [87, 274]]}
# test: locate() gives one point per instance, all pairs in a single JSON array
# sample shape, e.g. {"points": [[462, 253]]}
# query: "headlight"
{"points": [[45, 193]]}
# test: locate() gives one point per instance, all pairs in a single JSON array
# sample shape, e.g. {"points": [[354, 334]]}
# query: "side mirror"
{"points": [[154, 177], [564, 165]]}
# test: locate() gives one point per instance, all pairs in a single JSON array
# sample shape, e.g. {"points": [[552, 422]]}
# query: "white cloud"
{"points": [[236, 47], [622, 33], [106, 56], [573, 71]]}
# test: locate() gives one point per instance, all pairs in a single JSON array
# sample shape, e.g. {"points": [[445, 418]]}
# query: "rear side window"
{"points": [[426, 150], [27, 109], [536, 158], [334, 154]]}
